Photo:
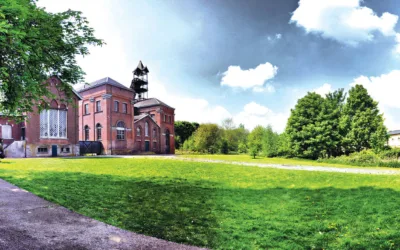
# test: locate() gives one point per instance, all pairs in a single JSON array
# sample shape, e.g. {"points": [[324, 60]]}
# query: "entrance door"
{"points": [[54, 150], [22, 134], [167, 150], [146, 146]]}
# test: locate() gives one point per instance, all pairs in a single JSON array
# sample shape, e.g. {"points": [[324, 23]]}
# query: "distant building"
{"points": [[394, 138], [124, 119], [51, 132]]}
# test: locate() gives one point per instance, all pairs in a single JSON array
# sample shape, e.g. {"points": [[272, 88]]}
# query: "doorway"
{"points": [[146, 146], [167, 149], [54, 150]]}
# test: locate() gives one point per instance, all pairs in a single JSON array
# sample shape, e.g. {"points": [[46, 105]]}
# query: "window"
{"points": [[116, 106], [154, 145], [138, 131], [86, 108], [6, 132], [98, 106], [53, 123], [154, 133], [152, 116], [124, 108], [65, 150], [86, 133], [120, 130], [42, 150], [165, 118], [146, 129], [169, 119], [98, 131]]}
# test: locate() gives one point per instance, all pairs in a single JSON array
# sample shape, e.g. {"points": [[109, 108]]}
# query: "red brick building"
{"points": [[52, 132], [124, 119]]}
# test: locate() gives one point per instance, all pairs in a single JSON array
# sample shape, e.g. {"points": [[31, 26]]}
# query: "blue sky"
{"points": [[249, 60]]}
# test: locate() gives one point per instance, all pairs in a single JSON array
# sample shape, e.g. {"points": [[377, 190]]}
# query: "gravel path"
{"points": [[297, 167], [29, 222]]}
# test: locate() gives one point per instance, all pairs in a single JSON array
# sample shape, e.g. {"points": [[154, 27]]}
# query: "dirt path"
{"points": [[29, 222]]}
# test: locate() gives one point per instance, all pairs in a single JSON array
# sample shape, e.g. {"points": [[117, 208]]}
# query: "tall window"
{"points": [[116, 106], [146, 129], [6, 132], [165, 118], [169, 119], [124, 108], [86, 109], [86, 133], [98, 106], [120, 130], [98, 131], [139, 131], [53, 123], [154, 133]]}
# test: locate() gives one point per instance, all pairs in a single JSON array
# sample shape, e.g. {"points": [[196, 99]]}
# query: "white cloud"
{"points": [[278, 36], [268, 88], [324, 89], [254, 114], [343, 20], [386, 90], [236, 77], [397, 47]]}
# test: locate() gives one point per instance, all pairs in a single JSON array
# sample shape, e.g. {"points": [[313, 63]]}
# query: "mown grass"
{"points": [[221, 206], [283, 161]]}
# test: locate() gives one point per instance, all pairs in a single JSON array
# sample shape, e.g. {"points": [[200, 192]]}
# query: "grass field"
{"points": [[283, 161], [221, 206]]}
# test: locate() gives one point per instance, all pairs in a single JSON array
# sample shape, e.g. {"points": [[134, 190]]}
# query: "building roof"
{"points": [[151, 102], [137, 118], [103, 81], [394, 132]]}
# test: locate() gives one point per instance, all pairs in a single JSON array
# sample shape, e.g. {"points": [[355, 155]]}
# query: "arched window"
{"points": [[54, 104], [98, 131], [63, 106], [154, 133], [120, 130], [146, 129], [138, 131], [86, 133]]}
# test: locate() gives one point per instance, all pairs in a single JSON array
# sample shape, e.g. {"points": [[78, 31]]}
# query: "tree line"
{"points": [[327, 126]]}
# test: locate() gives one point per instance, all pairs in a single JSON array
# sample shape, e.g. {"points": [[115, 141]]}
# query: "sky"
{"points": [[247, 60]]}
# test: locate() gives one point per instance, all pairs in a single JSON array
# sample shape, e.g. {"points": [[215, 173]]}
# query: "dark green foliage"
{"points": [[367, 158], [207, 138], [183, 130], [34, 45], [233, 135], [224, 147], [304, 127], [271, 142]]}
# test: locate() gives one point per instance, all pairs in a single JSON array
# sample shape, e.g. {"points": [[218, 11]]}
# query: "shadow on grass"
{"points": [[208, 214]]}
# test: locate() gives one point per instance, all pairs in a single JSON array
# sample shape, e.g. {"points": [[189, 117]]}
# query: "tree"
{"points": [[270, 142], [183, 130], [207, 138], [255, 141], [233, 135], [362, 122], [303, 127], [34, 45]]}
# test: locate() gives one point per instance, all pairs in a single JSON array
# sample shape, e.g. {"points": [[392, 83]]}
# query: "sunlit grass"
{"points": [[220, 205]]}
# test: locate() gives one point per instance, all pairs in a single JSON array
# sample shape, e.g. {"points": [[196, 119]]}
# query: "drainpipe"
{"points": [[111, 104]]}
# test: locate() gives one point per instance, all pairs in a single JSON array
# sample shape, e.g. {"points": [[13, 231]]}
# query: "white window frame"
{"points": [[146, 129], [58, 124]]}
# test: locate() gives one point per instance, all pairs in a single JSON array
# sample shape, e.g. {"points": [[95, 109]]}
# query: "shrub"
{"points": [[391, 154]]}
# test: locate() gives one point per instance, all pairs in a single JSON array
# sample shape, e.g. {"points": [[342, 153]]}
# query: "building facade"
{"points": [[49, 132], [394, 139], [124, 119]]}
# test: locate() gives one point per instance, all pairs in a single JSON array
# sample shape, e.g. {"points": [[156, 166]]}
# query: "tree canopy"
{"points": [[36, 44]]}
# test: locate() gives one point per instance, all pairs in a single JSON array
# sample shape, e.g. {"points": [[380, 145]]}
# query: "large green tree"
{"points": [[207, 138], [304, 129], [255, 141], [270, 142], [36, 44], [233, 135], [362, 122]]}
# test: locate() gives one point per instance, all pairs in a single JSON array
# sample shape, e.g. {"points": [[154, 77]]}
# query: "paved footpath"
{"points": [[29, 222]]}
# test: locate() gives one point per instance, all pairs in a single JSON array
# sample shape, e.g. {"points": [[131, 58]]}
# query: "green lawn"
{"points": [[219, 205], [283, 161]]}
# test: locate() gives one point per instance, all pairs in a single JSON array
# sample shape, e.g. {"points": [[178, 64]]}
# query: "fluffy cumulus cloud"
{"points": [[236, 77], [326, 88], [343, 20], [385, 89], [254, 114]]}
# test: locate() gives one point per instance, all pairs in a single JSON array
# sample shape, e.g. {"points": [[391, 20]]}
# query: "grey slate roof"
{"points": [[394, 132], [139, 117], [103, 81], [151, 102]]}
